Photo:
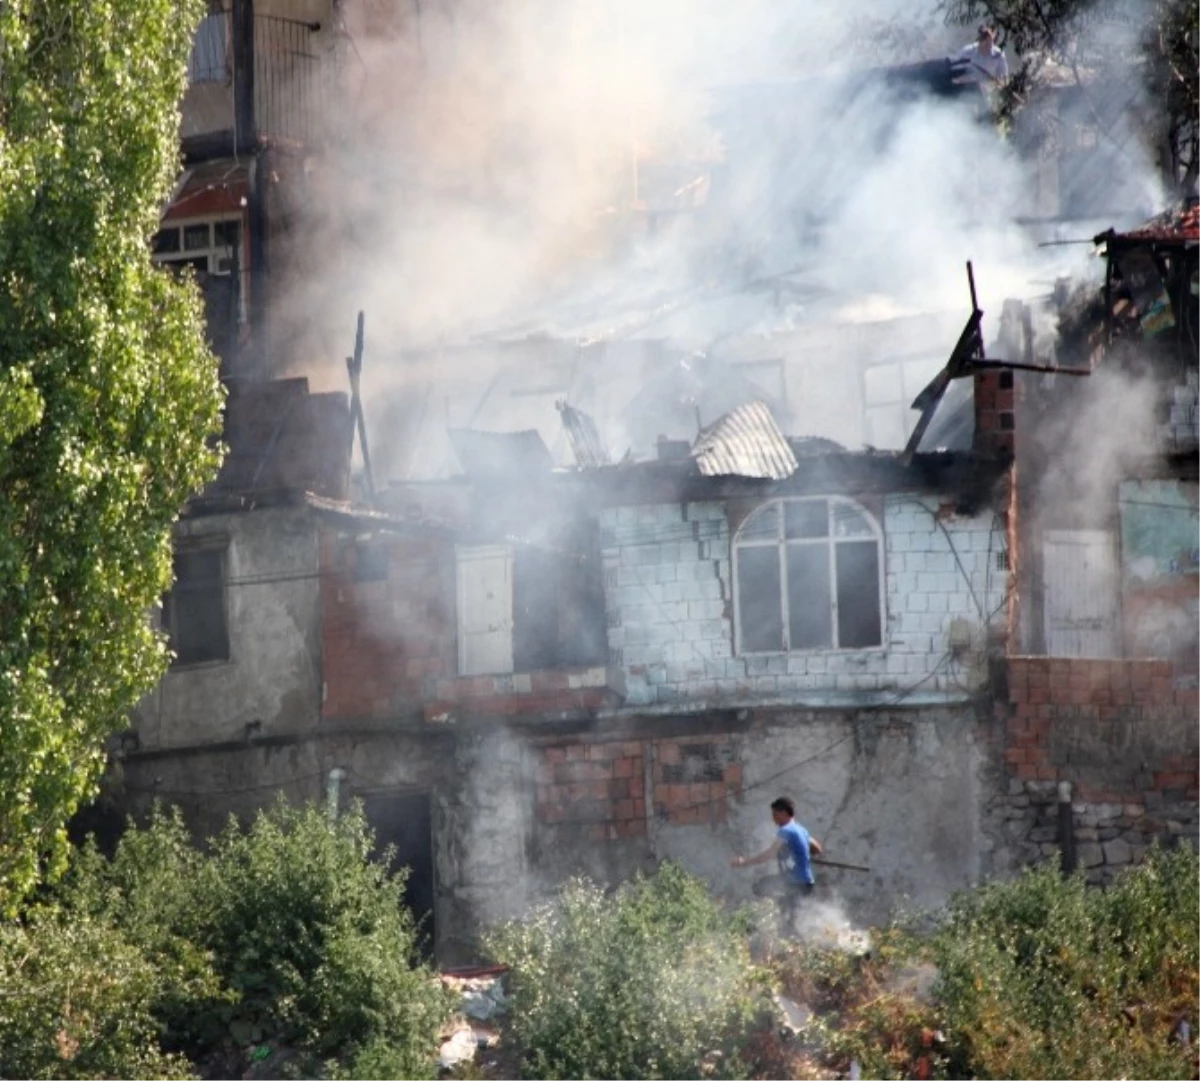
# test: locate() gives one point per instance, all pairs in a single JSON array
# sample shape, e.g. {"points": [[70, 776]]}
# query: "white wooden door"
{"points": [[485, 610], [1080, 591]]}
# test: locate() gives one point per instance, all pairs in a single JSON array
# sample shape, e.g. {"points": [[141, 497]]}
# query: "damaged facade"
{"points": [[609, 603], [550, 671]]}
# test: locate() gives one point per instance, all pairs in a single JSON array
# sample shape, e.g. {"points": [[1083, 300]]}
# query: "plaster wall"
{"points": [[271, 683]]}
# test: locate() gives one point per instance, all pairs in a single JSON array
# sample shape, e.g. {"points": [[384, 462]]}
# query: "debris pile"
{"points": [[473, 1025]]}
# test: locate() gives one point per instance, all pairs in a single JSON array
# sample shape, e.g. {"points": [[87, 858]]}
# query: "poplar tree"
{"points": [[109, 397]]}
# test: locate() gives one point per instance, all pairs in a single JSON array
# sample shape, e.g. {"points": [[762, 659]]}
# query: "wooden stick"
{"points": [[844, 866]]}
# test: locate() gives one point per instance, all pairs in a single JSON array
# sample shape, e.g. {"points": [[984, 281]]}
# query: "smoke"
{"points": [[686, 171]]}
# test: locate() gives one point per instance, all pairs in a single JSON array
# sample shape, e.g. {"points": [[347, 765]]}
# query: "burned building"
{"points": [[593, 669]]}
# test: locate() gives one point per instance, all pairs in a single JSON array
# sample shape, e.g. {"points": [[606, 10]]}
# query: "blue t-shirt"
{"points": [[794, 858]]}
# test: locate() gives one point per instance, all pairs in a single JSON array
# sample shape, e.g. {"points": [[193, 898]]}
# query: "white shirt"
{"points": [[979, 68]]}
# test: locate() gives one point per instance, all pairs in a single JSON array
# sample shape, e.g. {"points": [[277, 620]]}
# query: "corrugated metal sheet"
{"points": [[745, 442]]}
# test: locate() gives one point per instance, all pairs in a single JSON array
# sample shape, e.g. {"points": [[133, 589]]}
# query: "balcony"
{"points": [[294, 79]]}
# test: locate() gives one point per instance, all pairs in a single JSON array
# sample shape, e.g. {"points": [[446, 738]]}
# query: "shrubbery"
{"points": [[1036, 977], [1042, 977], [78, 1000], [282, 932], [653, 980]]}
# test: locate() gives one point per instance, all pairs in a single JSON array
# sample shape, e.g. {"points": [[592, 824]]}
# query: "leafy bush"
{"points": [[1042, 977], [77, 1000], [653, 980], [309, 940]]}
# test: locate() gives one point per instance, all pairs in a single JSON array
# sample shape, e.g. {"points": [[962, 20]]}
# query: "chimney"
{"points": [[995, 428]]}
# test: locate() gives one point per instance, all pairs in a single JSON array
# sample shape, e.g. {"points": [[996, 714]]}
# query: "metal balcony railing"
{"points": [[294, 72]]}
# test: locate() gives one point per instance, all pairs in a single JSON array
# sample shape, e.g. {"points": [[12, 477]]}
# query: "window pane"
{"points": [[858, 594], [810, 614], [809, 518], [763, 524], [759, 600], [166, 240], [197, 609], [537, 578], [850, 522], [225, 234], [195, 237]]}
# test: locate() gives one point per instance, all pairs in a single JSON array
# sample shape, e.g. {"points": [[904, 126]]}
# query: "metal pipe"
{"points": [[333, 785]]}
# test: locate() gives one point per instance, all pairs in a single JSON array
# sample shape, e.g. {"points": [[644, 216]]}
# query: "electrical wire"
{"points": [[895, 700]]}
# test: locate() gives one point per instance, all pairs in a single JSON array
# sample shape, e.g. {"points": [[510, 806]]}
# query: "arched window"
{"points": [[807, 576]]}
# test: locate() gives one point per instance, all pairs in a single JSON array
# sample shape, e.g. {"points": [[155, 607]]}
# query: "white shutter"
{"points": [[1080, 591], [485, 610]]}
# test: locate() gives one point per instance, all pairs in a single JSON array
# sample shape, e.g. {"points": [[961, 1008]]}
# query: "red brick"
{"points": [[639, 807], [733, 774], [668, 753], [1016, 755], [624, 808], [555, 754], [623, 767], [618, 789], [636, 827]]}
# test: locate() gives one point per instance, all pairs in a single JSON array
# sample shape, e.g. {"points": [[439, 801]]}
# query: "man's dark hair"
{"points": [[785, 805]]}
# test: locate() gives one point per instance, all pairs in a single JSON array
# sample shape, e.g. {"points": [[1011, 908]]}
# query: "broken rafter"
{"points": [[967, 358], [354, 367]]}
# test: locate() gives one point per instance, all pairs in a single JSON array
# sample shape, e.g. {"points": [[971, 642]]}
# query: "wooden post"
{"points": [[354, 367], [245, 134], [1066, 828]]}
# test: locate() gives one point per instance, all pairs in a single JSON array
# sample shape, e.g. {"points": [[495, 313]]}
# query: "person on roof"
{"points": [[982, 61], [793, 848]]}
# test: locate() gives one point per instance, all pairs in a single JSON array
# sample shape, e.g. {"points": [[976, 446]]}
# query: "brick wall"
{"points": [[521, 694], [669, 597], [385, 643], [1123, 732], [611, 791], [995, 429]]}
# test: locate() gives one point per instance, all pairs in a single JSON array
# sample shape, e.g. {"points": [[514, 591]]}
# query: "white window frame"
{"points": [[212, 253], [782, 543]]}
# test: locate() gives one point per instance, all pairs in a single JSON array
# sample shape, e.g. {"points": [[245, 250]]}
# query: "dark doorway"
{"points": [[403, 821]]}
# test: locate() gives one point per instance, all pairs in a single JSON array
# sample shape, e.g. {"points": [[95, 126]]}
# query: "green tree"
{"points": [[1093, 44], [109, 397]]}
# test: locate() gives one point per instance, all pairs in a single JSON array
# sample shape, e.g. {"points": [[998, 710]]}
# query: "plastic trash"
{"points": [[460, 1048]]}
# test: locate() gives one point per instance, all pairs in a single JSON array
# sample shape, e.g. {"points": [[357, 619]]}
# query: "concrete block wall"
{"points": [[1181, 431], [669, 597]]}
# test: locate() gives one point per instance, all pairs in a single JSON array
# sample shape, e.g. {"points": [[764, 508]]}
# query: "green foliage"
{"points": [[309, 940], [653, 980], [1091, 41], [1042, 977], [77, 1000], [109, 398]]}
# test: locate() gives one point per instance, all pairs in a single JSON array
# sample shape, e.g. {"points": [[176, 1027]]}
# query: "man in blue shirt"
{"points": [[793, 848]]}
